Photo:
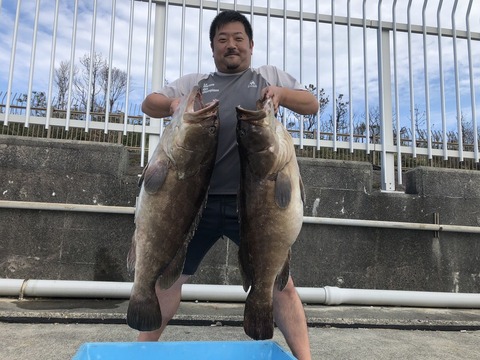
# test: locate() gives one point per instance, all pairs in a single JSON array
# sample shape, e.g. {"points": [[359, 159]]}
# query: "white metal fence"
{"points": [[395, 77]]}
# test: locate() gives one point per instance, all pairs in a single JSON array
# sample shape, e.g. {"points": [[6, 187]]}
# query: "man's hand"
{"points": [[275, 93], [300, 101], [159, 106]]}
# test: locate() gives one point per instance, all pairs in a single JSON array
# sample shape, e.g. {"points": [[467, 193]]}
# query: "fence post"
{"points": [[385, 86]]}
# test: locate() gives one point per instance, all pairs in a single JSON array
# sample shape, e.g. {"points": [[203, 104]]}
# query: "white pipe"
{"points": [[7, 204], [337, 296], [30, 205], [328, 295]]}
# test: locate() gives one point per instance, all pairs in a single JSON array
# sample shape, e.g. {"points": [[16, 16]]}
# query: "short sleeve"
{"points": [[277, 77], [181, 86]]}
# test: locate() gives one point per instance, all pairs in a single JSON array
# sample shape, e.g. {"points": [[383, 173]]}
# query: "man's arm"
{"points": [[302, 102], [159, 106]]}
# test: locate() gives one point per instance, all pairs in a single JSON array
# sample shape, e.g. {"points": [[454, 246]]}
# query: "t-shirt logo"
{"points": [[252, 84], [208, 88]]}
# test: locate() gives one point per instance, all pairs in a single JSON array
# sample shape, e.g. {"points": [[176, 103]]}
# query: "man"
{"points": [[234, 83]]}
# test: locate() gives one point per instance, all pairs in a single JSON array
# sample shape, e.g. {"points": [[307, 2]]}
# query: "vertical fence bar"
{"points": [[200, 38], [72, 66], [317, 68], [110, 65], [92, 59], [52, 66], [472, 82], [397, 96], [410, 77], [159, 54], [32, 63], [268, 31], [365, 77], [334, 95], [12, 63], [145, 81], [442, 81], [129, 66], [301, 117], [350, 92], [182, 38], [457, 84], [426, 79], [284, 116]]}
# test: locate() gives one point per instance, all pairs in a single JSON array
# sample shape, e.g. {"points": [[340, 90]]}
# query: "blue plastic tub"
{"points": [[184, 350]]}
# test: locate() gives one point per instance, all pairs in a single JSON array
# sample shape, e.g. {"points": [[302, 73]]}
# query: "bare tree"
{"points": [[62, 75], [118, 84], [95, 83]]}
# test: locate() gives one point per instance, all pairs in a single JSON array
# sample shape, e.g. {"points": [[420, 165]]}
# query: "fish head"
{"points": [[257, 136], [194, 133], [200, 121]]}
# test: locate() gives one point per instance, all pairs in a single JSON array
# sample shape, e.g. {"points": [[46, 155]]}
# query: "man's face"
{"points": [[232, 49]]}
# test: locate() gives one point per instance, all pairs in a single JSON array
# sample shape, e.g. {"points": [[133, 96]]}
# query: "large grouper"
{"points": [[270, 204], [174, 187]]}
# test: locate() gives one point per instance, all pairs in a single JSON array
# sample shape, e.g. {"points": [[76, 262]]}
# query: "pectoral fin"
{"points": [[283, 190], [154, 176]]}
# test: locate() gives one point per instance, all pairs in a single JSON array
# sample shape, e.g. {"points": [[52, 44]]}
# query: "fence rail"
{"points": [[396, 81]]}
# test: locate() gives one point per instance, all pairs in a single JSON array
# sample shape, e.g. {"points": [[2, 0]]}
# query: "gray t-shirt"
{"points": [[231, 90]]}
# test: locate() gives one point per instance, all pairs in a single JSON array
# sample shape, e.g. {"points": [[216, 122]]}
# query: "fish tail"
{"points": [[258, 316], [144, 313]]}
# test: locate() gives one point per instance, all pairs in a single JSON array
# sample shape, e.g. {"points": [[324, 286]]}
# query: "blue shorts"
{"points": [[219, 218]]}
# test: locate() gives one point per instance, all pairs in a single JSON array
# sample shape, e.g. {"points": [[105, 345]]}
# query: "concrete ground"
{"points": [[56, 328]]}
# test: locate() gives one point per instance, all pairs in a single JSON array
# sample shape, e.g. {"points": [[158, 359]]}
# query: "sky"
{"points": [[304, 44]]}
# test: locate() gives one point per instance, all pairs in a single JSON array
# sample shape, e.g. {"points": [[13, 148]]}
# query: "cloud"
{"points": [[316, 42]]}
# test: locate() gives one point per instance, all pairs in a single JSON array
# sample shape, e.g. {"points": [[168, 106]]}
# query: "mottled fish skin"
{"points": [[271, 200], [173, 192]]}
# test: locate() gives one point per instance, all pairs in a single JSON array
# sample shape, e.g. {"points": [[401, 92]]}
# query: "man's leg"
{"points": [[290, 318], [169, 301]]}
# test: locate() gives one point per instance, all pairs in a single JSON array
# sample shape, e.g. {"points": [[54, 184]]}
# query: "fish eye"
{"points": [[212, 130], [242, 132]]}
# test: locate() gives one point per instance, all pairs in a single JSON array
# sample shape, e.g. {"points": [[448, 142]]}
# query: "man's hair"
{"points": [[229, 16]]}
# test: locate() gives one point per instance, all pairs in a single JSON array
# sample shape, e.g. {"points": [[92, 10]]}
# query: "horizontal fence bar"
{"points": [[28, 205], [312, 17]]}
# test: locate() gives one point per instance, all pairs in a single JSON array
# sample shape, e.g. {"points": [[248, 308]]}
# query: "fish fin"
{"points": [[258, 316], [132, 255], [144, 313], [174, 269], [284, 274], [154, 175], [302, 189], [283, 190], [244, 262]]}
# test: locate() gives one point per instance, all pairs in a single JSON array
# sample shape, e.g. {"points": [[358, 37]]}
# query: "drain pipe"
{"points": [[327, 295]]}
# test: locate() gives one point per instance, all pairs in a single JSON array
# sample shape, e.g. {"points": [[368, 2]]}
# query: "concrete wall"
{"points": [[87, 246]]}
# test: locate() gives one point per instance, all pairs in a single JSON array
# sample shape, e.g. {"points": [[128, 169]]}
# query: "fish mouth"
{"points": [[256, 117], [196, 110], [251, 116]]}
